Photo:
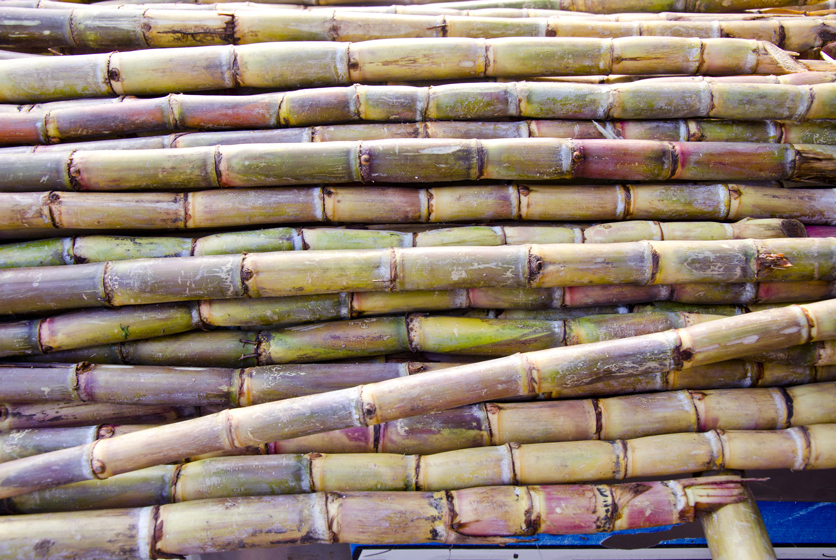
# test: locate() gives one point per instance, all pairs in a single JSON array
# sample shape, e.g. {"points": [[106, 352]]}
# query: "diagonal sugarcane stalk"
{"points": [[522, 374], [316, 342], [645, 99], [527, 422], [322, 63], [110, 28], [543, 463], [255, 275], [44, 213], [477, 515], [84, 249]]}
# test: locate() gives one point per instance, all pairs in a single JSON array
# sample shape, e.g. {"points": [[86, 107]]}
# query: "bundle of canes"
{"points": [[409, 115]]}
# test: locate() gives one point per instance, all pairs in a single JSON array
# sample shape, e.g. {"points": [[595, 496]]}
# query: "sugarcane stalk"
{"points": [[556, 303], [500, 423], [45, 213], [414, 160], [678, 130], [408, 9], [544, 463], [254, 275], [284, 65], [457, 516], [316, 342], [108, 28], [326, 341], [595, 7], [82, 249], [15, 444], [43, 415], [737, 530], [251, 386], [521, 374], [714, 98]]}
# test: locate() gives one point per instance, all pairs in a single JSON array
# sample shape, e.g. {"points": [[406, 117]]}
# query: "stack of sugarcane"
{"points": [[453, 271]]}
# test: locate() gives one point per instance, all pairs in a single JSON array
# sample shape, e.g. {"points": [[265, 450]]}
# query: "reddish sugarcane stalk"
{"points": [[756, 99], [415, 161], [478, 515]]}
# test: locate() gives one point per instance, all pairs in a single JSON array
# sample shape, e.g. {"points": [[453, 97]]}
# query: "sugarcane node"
{"points": [[788, 404], [605, 521], [114, 75], [98, 467], [106, 431], [415, 367], [369, 411], [535, 266], [681, 356], [771, 261]]}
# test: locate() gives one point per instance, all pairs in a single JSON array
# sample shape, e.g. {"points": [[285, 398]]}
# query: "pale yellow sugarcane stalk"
{"points": [[132, 282], [83, 249], [736, 531], [544, 463], [521, 374], [317, 64]]}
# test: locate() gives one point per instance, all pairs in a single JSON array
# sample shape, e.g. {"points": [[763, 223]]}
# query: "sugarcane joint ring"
{"points": [[98, 466]]}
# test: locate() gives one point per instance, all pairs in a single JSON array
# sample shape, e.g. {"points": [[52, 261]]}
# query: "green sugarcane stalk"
{"points": [[41, 415], [543, 463], [644, 99], [557, 303], [43, 214], [319, 342], [413, 161], [255, 275], [316, 342], [477, 515], [680, 130], [108, 28], [84, 249], [522, 374], [320, 63], [325, 341]]}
